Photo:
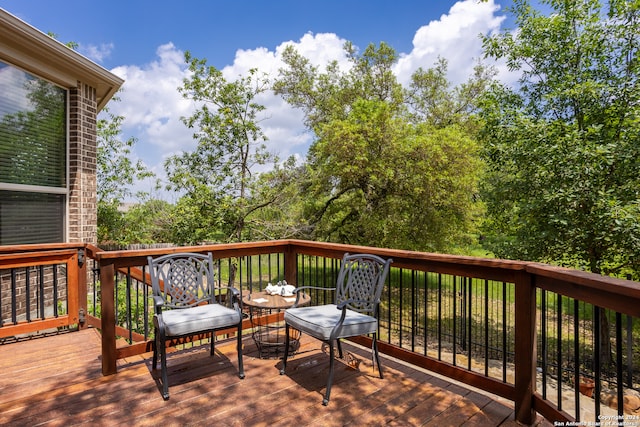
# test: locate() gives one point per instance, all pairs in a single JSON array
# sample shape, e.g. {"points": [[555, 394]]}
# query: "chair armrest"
{"points": [[234, 291], [158, 303], [232, 297], [297, 292]]}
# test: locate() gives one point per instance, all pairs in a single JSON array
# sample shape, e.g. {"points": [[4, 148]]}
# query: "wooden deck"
{"points": [[57, 381]]}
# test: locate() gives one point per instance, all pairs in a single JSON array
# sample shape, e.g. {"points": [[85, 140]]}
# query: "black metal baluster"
{"points": [[145, 293], [426, 312], [469, 331], [27, 296], [94, 297], [390, 299], [400, 290], [619, 373], [1, 317], [439, 318], [504, 332], [55, 290], [629, 351], [544, 343], [576, 358], [596, 355], [455, 319], [486, 327], [128, 304], [269, 270], [116, 292], [559, 348], [414, 326], [463, 313], [302, 278], [14, 314], [249, 270]]}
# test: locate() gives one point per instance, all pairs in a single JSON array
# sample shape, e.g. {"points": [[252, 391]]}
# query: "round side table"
{"points": [[266, 312]]}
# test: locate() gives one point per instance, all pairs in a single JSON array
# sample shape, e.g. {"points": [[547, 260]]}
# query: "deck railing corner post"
{"points": [[291, 265], [525, 347], [108, 320]]}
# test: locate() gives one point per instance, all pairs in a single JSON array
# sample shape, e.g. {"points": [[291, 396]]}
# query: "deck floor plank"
{"points": [[57, 381]]}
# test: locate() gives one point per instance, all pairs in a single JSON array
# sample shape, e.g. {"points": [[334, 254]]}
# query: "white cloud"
{"points": [[96, 53], [14, 88], [152, 106], [455, 37]]}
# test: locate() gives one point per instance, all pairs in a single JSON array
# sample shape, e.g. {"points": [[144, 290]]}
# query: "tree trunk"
{"points": [[605, 341]]}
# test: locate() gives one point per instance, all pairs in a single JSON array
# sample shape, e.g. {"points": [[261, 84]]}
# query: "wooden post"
{"points": [[108, 315], [291, 266], [525, 348], [73, 273]]}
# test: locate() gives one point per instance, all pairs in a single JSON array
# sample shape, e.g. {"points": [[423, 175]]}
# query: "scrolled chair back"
{"points": [[183, 280], [360, 282]]}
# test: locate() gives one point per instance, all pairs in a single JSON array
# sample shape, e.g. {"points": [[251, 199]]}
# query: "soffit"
{"points": [[35, 52]]}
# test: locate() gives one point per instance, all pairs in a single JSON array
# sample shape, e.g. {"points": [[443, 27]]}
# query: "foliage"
{"points": [[433, 102], [116, 170], [149, 221], [197, 218], [377, 174], [562, 147], [116, 173], [129, 305], [279, 212], [217, 176]]}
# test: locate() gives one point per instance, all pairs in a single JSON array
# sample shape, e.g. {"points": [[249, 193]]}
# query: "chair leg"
{"points": [[340, 354], [163, 365], [286, 349], [240, 364], [332, 358], [213, 343], [374, 351], [155, 350]]}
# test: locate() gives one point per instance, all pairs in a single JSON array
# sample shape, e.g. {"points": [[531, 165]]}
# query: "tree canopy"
{"points": [[562, 147], [378, 172], [217, 177]]}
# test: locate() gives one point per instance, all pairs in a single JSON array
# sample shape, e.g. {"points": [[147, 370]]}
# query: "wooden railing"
{"points": [[436, 312], [42, 287]]}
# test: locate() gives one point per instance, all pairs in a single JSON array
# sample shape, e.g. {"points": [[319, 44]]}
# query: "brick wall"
{"points": [[82, 226]]}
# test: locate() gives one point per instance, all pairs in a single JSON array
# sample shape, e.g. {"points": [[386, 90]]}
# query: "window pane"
{"points": [[32, 130], [31, 218]]}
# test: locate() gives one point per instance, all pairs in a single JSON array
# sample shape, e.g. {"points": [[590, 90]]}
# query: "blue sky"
{"points": [[144, 42]]}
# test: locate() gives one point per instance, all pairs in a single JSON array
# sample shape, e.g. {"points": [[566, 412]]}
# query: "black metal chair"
{"points": [[188, 302], [355, 312]]}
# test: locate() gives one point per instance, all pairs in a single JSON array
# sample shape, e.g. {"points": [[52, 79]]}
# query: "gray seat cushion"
{"points": [[319, 321], [190, 320]]}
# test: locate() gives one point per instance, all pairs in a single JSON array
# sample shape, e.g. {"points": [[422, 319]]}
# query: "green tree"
{"points": [[218, 175], [148, 221], [375, 174], [116, 173], [432, 100], [279, 204], [562, 147]]}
